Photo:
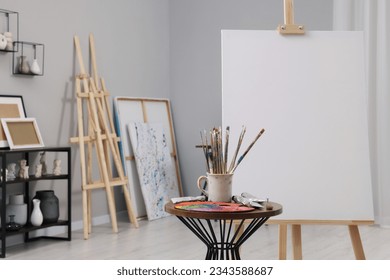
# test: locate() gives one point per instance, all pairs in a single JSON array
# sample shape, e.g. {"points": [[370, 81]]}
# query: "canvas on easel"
{"points": [[308, 92]]}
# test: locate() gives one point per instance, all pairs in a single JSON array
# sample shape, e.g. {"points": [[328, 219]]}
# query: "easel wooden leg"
{"points": [[356, 242], [130, 211], [296, 241], [89, 209], [85, 214], [282, 241]]}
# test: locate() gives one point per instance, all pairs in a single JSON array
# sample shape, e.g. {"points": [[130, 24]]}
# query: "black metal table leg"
{"points": [[219, 237]]}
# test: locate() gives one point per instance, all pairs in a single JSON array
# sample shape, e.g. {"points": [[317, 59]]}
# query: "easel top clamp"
{"points": [[289, 27]]}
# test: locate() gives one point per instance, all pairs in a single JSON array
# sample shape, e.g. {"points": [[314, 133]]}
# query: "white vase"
{"points": [[34, 67], [36, 215]]}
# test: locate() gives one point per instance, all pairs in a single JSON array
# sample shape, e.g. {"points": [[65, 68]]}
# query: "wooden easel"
{"points": [[290, 28], [100, 139]]}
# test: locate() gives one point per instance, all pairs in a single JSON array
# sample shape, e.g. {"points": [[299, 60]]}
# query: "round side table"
{"points": [[215, 229]]}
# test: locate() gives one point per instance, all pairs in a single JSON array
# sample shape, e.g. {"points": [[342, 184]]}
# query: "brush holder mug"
{"points": [[219, 187]]}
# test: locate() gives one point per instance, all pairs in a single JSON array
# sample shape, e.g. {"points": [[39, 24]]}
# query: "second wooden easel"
{"points": [[100, 137]]}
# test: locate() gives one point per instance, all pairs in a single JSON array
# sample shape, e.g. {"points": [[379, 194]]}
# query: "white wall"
{"points": [[196, 62]]}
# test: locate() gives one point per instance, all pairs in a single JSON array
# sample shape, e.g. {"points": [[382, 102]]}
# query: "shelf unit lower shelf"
{"points": [[28, 228]]}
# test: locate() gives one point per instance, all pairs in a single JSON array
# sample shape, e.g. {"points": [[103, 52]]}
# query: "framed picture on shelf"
{"points": [[22, 133], [11, 106]]}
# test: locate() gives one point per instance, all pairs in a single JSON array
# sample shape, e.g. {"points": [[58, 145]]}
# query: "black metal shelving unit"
{"points": [[28, 228]]}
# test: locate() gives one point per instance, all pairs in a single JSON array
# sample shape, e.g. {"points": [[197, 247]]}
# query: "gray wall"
{"points": [[132, 45], [147, 48], [196, 62]]}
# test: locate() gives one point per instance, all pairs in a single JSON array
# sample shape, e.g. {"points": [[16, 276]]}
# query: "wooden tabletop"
{"points": [[257, 213]]}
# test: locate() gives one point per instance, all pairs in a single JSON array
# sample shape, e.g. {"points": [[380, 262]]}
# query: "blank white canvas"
{"points": [[308, 93]]}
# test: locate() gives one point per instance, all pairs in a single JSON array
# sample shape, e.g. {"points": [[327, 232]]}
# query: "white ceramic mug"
{"points": [[219, 187]]}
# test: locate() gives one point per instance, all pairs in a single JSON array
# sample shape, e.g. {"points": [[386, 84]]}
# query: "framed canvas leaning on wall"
{"points": [[11, 106], [22, 133]]}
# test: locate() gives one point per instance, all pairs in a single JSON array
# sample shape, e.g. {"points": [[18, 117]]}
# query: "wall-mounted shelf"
{"points": [[9, 27], [28, 59]]}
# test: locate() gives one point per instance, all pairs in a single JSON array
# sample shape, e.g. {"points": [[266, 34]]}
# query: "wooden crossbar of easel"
{"points": [[296, 235], [92, 94]]}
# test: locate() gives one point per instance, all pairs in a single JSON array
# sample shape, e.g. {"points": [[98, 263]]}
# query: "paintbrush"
{"points": [[226, 148], [237, 149], [205, 151], [247, 150]]}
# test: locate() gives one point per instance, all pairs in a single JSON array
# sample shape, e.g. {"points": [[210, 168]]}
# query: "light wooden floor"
{"points": [[169, 239]]}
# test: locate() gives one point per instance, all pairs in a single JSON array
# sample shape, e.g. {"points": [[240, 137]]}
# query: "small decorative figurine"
{"points": [[11, 171], [38, 171], [42, 161], [57, 167], [23, 171], [8, 36]]}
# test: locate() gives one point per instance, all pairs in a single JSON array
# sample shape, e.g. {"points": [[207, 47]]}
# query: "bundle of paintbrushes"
{"points": [[216, 150]]}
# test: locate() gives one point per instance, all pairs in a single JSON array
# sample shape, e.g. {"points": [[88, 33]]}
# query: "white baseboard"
{"points": [[383, 222]]}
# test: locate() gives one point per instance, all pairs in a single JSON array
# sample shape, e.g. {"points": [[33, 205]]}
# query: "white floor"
{"points": [[169, 239]]}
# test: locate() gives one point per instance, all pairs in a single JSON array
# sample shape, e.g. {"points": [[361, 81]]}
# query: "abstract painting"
{"points": [[155, 167]]}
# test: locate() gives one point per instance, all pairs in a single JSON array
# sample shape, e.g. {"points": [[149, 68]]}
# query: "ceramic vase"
{"points": [[34, 68], [36, 218], [17, 208], [49, 206], [23, 65]]}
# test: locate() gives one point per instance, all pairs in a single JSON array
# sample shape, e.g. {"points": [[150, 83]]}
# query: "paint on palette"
{"points": [[208, 206]]}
